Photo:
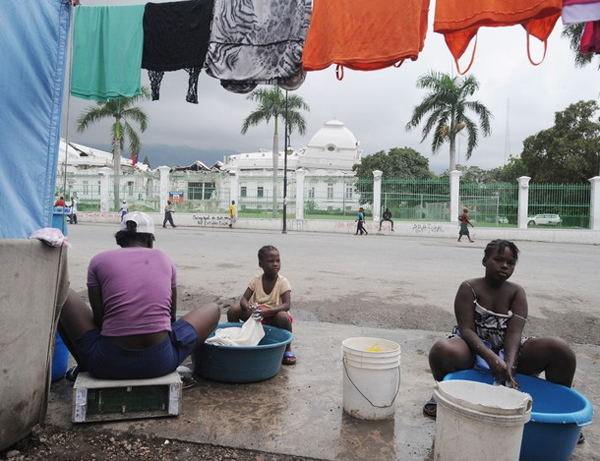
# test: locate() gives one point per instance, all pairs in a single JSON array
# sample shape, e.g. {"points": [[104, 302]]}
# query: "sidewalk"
{"points": [[299, 411]]}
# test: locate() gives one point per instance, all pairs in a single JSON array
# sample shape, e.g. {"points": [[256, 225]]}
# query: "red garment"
{"points": [[459, 20], [59, 202], [364, 35], [590, 40], [465, 218]]}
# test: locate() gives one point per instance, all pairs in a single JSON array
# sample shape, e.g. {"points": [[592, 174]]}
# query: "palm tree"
{"points": [[122, 110], [272, 104], [446, 104]]}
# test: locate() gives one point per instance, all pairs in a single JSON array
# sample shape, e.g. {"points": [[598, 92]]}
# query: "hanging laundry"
{"points": [[590, 40], [256, 42], [365, 35], [176, 37], [107, 52], [577, 11], [459, 21]]}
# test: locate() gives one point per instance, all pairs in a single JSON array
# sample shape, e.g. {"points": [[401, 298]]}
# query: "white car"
{"points": [[544, 219]]}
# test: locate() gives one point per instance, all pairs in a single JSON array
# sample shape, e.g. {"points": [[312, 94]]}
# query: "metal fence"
{"points": [[491, 204], [331, 197], [84, 187], [416, 199], [559, 205], [337, 197], [200, 191]]}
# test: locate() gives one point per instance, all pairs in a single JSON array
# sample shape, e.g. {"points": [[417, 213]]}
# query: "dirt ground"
{"points": [[85, 443]]}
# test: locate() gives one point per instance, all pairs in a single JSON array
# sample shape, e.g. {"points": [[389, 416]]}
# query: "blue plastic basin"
{"points": [[557, 416], [60, 359], [242, 364]]}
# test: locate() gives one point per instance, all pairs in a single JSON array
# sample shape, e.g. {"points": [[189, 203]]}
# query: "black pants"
{"points": [[360, 228], [381, 222], [169, 218], [73, 218]]}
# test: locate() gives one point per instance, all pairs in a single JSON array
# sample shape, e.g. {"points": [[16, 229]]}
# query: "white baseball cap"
{"points": [[145, 224]]}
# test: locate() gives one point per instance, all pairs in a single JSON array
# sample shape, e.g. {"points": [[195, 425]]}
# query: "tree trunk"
{"points": [[452, 155], [275, 167], [117, 173]]}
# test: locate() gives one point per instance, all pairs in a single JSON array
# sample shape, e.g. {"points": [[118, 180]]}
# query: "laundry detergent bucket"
{"points": [[475, 420], [371, 368]]}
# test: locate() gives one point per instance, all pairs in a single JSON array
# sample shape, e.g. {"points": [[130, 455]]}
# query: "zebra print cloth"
{"points": [[258, 42]]}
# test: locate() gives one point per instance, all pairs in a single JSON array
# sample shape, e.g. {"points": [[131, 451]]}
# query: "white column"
{"points": [[164, 185], [376, 194], [523, 201], [595, 203], [454, 195], [234, 188], [105, 183], [300, 173]]}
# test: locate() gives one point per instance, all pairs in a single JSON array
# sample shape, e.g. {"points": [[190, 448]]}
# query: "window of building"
{"points": [[311, 192], [244, 191], [330, 190], [260, 192], [349, 190], [129, 187], [201, 190], [86, 188]]}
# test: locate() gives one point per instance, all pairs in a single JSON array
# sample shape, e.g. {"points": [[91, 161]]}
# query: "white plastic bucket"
{"points": [[478, 421], [371, 377]]}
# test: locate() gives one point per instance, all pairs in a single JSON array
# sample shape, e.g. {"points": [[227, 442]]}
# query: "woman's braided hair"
{"points": [[264, 250], [499, 246]]}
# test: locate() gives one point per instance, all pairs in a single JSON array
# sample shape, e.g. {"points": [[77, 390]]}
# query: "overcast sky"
{"points": [[375, 106]]}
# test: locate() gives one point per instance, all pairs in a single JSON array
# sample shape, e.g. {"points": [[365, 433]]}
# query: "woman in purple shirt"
{"points": [[130, 332]]}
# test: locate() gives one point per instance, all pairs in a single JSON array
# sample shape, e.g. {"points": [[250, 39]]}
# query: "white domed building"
{"points": [[325, 165]]}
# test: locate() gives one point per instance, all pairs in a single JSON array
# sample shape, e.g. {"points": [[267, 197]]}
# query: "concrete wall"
{"points": [[401, 228]]}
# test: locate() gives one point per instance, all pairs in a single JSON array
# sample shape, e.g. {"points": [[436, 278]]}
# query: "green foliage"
{"points": [[146, 161], [400, 163], [573, 32], [444, 110], [568, 152], [271, 104]]}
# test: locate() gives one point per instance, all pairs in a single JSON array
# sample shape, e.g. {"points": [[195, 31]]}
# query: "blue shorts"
{"points": [[105, 359]]}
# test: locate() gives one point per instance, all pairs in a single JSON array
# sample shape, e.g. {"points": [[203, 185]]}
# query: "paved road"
{"points": [[375, 280]]}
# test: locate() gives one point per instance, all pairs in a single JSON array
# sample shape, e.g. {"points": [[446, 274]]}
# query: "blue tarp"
{"points": [[33, 54]]}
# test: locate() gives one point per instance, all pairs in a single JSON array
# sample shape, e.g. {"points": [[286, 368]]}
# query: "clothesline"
{"points": [[278, 41]]}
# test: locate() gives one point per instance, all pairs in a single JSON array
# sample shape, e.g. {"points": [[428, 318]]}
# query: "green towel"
{"points": [[108, 43]]}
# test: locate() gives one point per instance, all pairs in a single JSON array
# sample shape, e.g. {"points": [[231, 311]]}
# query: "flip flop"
{"points": [[187, 382], [288, 358], [72, 373], [581, 438], [430, 408]]}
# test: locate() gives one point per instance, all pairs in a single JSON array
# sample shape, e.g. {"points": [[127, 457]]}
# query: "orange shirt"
{"points": [[364, 35], [459, 20]]}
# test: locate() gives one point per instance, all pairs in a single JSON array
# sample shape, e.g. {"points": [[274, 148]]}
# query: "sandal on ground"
{"points": [[187, 382], [581, 438], [72, 373], [288, 358], [430, 408]]}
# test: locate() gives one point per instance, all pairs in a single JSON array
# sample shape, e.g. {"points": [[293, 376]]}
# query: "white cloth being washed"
{"points": [[248, 335]]}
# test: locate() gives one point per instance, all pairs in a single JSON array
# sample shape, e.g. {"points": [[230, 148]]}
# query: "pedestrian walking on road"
{"points": [[464, 225], [360, 220], [168, 215], [232, 214]]}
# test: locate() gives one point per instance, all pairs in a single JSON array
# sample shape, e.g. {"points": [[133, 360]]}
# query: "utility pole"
{"points": [[285, 156]]}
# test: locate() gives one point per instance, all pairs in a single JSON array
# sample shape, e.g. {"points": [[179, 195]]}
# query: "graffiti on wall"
{"points": [[211, 221], [426, 228], [296, 224]]}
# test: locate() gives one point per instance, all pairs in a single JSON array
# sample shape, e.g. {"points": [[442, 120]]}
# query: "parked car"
{"points": [[544, 219], [502, 220]]}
